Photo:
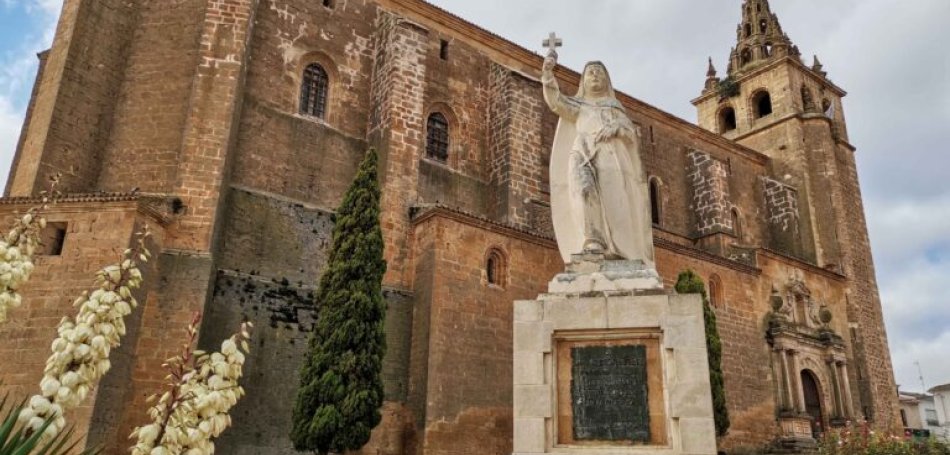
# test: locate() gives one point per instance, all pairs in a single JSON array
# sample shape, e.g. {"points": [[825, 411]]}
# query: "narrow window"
{"points": [[313, 91], [437, 138], [736, 224], [767, 50], [52, 238], [495, 268], [758, 7], [652, 137], [444, 49], [748, 30], [808, 102], [763, 26], [655, 201], [827, 108], [762, 103], [328, 3], [727, 120], [715, 291], [746, 57]]}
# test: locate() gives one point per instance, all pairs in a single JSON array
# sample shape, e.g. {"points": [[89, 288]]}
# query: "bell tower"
{"points": [[771, 101]]}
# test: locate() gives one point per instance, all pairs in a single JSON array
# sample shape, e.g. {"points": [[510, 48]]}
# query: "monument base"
{"points": [[594, 273], [618, 373]]}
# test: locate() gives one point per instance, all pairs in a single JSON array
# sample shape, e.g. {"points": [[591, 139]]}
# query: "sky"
{"points": [[889, 55]]}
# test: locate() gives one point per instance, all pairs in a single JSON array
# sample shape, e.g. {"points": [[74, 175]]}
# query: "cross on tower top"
{"points": [[552, 43]]}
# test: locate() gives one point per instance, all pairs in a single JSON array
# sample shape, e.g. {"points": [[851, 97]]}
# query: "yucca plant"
{"points": [[17, 439]]}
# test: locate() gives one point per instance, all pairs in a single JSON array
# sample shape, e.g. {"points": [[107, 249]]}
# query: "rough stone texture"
{"points": [[196, 100], [710, 184], [781, 202]]}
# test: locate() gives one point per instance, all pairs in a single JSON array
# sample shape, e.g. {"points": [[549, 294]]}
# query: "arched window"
{"points": [[715, 291], [745, 57], [736, 224], [767, 50], [808, 101], [763, 26], [496, 268], [762, 103], [727, 119], [328, 4], [313, 91], [437, 138], [655, 201], [748, 30]]}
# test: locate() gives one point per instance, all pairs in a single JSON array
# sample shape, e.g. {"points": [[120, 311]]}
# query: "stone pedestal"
{"points": [[614, 371]]}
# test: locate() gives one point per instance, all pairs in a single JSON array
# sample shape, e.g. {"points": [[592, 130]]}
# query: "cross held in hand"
{"points": [[552, 43]]}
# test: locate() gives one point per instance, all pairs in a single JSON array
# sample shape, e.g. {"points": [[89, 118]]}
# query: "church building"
{"points": [[233, 127]]}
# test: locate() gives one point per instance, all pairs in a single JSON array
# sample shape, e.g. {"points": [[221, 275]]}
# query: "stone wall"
{"points": [[97, 231], [710, 187]]}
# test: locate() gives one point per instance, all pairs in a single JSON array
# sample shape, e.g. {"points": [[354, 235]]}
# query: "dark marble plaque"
{"points": [[609, 393]]}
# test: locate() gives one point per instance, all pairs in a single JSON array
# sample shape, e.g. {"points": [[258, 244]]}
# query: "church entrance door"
{"points": [[812, 394]]}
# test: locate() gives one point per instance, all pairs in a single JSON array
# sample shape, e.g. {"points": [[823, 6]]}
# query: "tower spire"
{"points": [[711, 80], [760, 37]]}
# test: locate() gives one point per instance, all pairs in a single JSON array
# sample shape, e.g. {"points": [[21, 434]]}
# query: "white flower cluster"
{"points": [[186, 419], [81, 351], [16, 258]]}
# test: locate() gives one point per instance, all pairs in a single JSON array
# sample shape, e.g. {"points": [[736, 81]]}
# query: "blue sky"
{"points": [[888, 54]]}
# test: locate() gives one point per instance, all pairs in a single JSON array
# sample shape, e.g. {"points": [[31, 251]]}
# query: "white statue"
{"points": [[599, 193]]}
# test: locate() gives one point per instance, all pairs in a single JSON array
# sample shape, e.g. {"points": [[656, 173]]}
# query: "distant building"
{"points": [[940, 416]]}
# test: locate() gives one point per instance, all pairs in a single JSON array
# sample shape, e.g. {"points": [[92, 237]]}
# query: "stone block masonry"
{"points": [[709, 182], [782, 203]]}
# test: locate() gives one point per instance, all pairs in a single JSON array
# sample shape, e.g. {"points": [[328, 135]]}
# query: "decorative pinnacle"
{"points": [[711, 72]]}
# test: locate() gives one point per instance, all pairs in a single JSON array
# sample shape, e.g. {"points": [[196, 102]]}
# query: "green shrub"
{"points": [[341, 390], [862, 440], [689, 282]]}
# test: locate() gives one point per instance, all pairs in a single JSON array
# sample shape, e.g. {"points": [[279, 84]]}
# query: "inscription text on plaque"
{"points": [[609, 394]]}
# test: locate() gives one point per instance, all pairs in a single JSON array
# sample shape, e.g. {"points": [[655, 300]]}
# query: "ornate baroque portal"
{"points": [[809, 361]]}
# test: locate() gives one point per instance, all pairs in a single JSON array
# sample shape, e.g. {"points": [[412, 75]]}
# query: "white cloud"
{"points": [[905, 229], [932, 355], [18, 71], [10, 121]]}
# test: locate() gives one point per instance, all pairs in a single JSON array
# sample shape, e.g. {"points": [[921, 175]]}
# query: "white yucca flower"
{"points": [[203, 389], [16, 252], [81, 351]]}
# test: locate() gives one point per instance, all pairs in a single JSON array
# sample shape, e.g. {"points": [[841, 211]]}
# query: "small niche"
{"points": [[443, 49], [52, 239]]}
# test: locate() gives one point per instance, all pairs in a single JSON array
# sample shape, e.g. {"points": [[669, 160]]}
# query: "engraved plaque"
{"points": [[609, 393]]}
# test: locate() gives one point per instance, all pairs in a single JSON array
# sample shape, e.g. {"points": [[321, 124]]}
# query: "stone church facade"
{"points": [[233, 127]]}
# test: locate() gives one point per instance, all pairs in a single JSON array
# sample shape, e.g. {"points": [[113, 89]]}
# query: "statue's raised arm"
{"points": [[560, 104]]}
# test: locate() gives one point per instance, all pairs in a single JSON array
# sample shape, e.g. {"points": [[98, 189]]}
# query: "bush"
{"points": [[862, 440], [689, 282], [341, 390]]}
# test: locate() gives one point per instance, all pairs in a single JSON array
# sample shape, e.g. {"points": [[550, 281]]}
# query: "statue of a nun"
{"points": [[599, 195]]}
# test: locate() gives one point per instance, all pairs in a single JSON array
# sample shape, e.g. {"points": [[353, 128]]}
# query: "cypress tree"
{"points": [[689, 282], [341, 391]]}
